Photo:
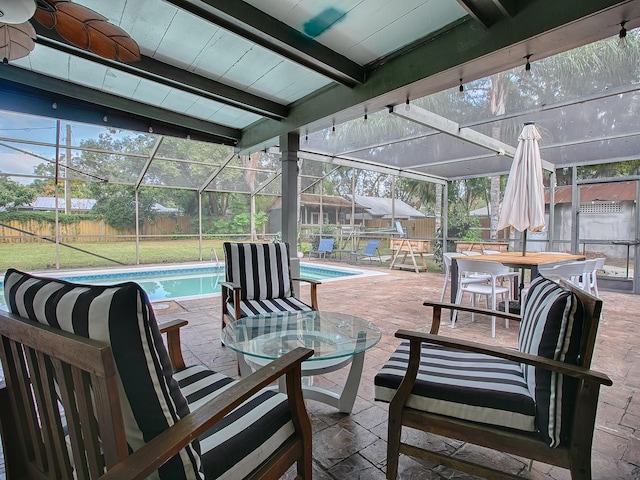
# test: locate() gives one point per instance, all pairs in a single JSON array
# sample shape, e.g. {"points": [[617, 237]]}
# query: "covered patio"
{"points": [[251, 82], [347, 446]]}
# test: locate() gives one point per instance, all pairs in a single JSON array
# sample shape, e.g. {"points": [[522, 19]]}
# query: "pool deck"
{"points": [[350, 446], [354, 446]]}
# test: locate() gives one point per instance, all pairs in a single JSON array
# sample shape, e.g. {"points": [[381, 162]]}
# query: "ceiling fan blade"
{"points": [[88, 30], [16, 41]]}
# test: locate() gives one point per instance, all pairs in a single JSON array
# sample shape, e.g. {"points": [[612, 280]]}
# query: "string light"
{"points": [[407, 105], [461, 90], [527, 67], [622, 36]]}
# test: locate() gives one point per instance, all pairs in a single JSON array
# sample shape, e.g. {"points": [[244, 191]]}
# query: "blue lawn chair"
{"points": [[324, 247], [370, 252]]}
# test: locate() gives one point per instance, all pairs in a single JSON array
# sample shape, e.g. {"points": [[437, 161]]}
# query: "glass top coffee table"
{"points": [[337, 340]]}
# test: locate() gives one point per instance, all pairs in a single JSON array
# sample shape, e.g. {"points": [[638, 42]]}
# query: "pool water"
{"points": [[170, 283]]}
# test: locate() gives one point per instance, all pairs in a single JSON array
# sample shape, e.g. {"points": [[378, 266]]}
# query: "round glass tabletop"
{"points": [[331, 335]]}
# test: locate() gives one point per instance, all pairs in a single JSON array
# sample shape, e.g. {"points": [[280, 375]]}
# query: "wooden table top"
{"points": [[530, 259]]}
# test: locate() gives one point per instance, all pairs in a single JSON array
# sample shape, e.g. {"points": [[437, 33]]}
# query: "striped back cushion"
{"points": [[121, 316], [551, 327], [261, 269]]}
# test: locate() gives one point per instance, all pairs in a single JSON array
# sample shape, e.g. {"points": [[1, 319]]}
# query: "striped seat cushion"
{"points": [[239, 443], [119, 315], [551, 327], [249, 308], [462, 385]]}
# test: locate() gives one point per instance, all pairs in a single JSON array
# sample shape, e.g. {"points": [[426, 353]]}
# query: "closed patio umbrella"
{"points": [[523, 204]]}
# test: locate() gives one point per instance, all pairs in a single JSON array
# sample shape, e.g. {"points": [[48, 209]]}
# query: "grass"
{"points": [[42, 256]]}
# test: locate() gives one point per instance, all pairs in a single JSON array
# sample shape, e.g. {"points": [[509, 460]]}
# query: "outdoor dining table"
{"points": [[531, 261]]}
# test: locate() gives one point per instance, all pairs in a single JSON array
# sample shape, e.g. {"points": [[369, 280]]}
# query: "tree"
{"points": [[14, 195]]}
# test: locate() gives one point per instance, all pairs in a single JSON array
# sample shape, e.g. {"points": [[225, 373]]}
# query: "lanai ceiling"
{"points": [[243, 73]]}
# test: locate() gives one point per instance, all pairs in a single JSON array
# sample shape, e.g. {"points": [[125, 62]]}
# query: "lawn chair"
{"points": [[258, 281], [92, 392], [371, 252], [537, 402], [325, 247]]}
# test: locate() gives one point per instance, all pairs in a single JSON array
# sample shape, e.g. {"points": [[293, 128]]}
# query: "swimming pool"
{"points": [[184, 281]]}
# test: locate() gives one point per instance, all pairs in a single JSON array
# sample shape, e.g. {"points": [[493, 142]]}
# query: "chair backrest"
{"points": [[326, 245], [559, 322], [399, 229], [446, 258], [119, 319], [371, 247], [567, 271], [472, 266], [260, 269], [600, 262]]}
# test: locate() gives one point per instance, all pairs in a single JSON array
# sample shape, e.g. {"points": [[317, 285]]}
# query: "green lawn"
{"points": [[42, 256]]}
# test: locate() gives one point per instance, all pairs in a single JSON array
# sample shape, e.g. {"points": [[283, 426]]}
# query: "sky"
{"points": [[35, 129]]}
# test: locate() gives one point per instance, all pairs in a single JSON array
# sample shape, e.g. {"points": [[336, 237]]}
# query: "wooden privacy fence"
{"points": [[91, 230]]}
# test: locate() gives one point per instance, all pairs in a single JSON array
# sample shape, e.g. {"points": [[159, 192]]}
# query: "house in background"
{"points": [[83, 205], [384, 208], [607, 213], [336, 210], [47, 204]]}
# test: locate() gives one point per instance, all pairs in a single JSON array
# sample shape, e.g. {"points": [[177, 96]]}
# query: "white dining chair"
{"points": [[446, 257], [489, 289], [599, 265], [571, 272]]}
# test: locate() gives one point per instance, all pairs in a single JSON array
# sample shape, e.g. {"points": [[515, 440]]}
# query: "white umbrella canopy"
{"points": [[523, 204]]}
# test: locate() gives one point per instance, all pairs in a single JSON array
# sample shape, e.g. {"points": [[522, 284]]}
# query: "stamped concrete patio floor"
{"points": [[349, 446]]}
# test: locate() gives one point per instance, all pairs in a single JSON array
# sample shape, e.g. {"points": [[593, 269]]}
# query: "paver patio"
{"points": [[354, 446]]}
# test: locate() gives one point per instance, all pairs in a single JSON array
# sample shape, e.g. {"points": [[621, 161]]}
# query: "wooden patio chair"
{"points": [[538, 402], [92, 392], [258, 281]]}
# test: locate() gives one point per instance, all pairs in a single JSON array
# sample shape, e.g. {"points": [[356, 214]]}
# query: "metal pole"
{"points": [[636, 247], [200, 226], [137, 230], [575, 213], [56, 193], [552, 214]]}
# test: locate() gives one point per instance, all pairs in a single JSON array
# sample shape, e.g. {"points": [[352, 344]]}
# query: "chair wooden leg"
{"points": [[393, 447]]}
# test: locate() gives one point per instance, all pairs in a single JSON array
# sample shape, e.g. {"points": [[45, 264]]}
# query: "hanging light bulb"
{"points": [[365, 117], [461, 90], [527, 67], [333, 130], [306, 137], [407, 105], [622, 36]]}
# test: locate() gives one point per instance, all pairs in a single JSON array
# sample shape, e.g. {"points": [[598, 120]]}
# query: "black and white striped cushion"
{"points": [[462, 385], [551, 327], [121, 316], [261, 269], [239, 443], [249, 308]]}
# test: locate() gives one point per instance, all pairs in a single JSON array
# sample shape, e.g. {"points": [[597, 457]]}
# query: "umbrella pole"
{"points": [[524, 242]]}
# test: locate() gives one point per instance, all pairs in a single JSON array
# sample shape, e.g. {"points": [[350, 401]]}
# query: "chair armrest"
{"points": [[172, 329], [230, 285], [152, 455], [236, 289], [580, 373], [314, 290], [438, 306]]}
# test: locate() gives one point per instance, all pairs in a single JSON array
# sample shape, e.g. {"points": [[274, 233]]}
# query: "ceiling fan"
{"points": [[78, 25]]}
